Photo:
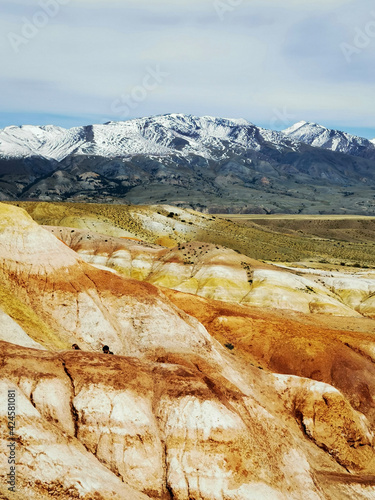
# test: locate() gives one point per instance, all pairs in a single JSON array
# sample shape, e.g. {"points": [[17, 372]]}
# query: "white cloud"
{"points": [[264, 55]]}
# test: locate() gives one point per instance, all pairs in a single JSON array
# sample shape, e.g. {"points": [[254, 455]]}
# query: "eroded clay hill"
{"points": [[219, 273], [172, 427], [168, 225], [288, 343], [173, 414], [79, 303]]}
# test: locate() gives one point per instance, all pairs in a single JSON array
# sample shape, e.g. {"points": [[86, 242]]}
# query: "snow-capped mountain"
{"points": [[213, 164], [48, 141], [171, 134], [335, 140], [159, 136]]}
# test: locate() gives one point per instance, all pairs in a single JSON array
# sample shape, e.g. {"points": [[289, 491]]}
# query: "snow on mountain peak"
{"points": [[46, 141], [335, 140], [170, 134], [304, 128], [157, 135], [296, 126]]}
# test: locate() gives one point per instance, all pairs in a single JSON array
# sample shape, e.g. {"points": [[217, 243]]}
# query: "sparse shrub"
{"points": [[229, 346]]}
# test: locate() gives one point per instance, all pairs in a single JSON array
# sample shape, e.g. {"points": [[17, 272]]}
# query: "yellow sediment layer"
{"points": [[29, 321], [168, 281]]}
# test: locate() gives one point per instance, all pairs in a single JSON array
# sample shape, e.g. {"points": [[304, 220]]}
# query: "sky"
{"points": [[272, 62]]}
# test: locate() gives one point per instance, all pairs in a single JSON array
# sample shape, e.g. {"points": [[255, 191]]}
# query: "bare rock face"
{"points": [[330, 421], [11, 329], [284, 290], [120, 427], [50, 461], [291, 345], [284, 412], [98, 306]]}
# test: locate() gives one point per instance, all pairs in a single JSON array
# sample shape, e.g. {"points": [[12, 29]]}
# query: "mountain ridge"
{"points": [[319, 136], [140, 129], [205, 163], [74, 139]]}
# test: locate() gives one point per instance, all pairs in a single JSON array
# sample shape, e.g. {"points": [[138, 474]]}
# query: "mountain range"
{"points": [[205, 163]]}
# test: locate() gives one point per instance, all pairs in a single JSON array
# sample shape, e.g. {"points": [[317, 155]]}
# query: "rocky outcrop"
{"points": [[330, 421], [291, 345], [52, 464], [175, 413], [120, 427]]}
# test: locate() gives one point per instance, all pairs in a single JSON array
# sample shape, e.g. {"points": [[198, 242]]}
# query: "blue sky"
{"points": [[75, 62]]}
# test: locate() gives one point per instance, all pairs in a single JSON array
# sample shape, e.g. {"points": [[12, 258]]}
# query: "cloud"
{"points": [[258, 59]]}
